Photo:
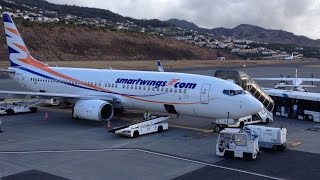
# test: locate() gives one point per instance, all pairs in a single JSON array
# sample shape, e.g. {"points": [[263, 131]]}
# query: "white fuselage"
{"points": [[177, 93], [189, 94]]}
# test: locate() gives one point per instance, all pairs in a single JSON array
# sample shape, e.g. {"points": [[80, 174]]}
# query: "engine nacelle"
{"points": [[95, 110]]}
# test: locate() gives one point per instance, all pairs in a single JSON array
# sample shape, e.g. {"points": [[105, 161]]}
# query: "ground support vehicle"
{"points": [[234, 142], [270, 137], [156, 124]]}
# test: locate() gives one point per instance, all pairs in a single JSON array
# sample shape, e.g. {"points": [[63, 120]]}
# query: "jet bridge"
{"points": [[247, 83]]}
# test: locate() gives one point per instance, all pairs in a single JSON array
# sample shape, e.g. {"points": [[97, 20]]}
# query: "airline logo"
{"points": [[173, 82]]}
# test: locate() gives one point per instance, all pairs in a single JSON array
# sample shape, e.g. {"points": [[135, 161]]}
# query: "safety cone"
{"points": [[109, 124]]}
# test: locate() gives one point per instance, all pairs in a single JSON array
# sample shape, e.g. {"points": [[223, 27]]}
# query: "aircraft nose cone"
{"points": [[254, 105]]}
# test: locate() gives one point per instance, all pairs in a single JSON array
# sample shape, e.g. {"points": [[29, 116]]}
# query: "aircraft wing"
{"points": [[44, 95], [309, 79], [287, 79], [275, 79], [307, 86]]}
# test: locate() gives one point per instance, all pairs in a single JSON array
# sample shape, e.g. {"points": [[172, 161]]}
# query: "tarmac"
{"points": [[32, 147]]}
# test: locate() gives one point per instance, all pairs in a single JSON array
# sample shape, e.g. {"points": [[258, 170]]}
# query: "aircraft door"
{"points": [[204, 94]]}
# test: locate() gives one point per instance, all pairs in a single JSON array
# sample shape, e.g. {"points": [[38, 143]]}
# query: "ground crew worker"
{"points": [[295, 110], [0, 126], [146, 115]]}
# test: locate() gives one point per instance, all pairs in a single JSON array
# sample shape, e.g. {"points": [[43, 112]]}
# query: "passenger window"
{"points": [[127, 86], [144, 87], [171, 90], [139, 87], [135, 87], [185, 91], [166, 90], [116, 85], [124, 86], [149, 88], [112, 85], [162, 89], [175, 90], [131, 86]]}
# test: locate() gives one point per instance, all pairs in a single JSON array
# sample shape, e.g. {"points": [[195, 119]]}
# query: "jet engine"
{"points": [[95, 110]]}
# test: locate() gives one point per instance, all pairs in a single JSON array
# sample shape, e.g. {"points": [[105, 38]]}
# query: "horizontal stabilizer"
{"points": [[7, 70]]}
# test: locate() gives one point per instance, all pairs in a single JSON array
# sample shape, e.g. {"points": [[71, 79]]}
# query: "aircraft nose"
{"points": [[253, 105]]}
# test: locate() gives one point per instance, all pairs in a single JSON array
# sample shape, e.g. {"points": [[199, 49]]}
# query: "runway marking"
{"points": [[190, 128], [143, 151], [295, 143], [176, 126], [297, 124], [135, 120]]}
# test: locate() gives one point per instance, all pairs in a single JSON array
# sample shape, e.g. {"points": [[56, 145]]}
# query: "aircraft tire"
{"points": [[241, 124], [216, 128], [33, 109], [10, 112]]}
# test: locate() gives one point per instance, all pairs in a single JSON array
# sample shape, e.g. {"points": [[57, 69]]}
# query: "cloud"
{"points": [[297, 16]]}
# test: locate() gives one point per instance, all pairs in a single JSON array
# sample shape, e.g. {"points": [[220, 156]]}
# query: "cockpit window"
{"points": [[233, 92]]}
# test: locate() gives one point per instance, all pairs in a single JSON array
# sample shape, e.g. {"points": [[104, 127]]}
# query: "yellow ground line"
{"points": [[176, 126], [194, 129], [136, 120], [296, 143]]}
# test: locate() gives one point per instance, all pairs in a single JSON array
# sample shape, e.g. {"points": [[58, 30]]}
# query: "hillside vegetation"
{"points": [[71, 42]]}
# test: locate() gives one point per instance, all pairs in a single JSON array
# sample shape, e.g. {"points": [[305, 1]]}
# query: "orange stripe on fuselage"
{"points": [[31, 61], [14, 31]]}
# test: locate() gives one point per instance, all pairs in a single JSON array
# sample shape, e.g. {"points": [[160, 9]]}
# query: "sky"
{"points": [[302, 17]]}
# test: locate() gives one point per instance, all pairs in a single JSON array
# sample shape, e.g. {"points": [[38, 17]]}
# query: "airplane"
{"points": [[282, 57], [160, 67], [96, 94], [290, 58], [297, 83]]}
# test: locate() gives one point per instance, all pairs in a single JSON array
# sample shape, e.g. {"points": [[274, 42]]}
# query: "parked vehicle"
{"points": [[270, 137], [234, 142], [156, 124]]}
